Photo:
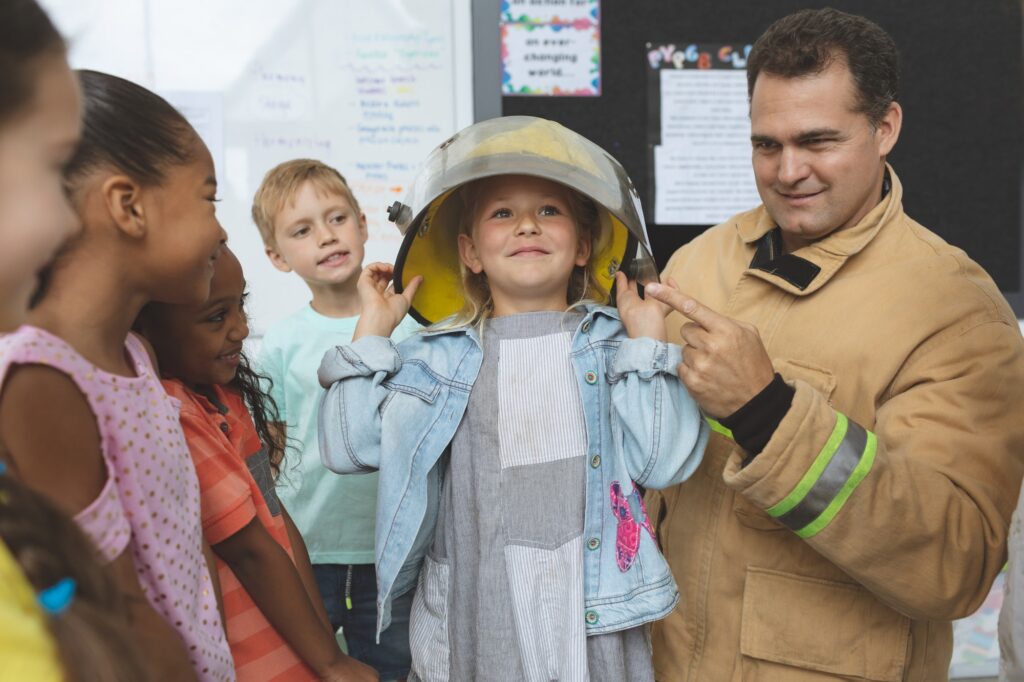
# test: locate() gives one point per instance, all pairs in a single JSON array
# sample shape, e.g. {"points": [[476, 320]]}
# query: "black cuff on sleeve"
{"points": [[753, 424]]}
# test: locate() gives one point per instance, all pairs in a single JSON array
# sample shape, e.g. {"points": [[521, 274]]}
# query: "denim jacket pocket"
{"points": [[415, 379]]}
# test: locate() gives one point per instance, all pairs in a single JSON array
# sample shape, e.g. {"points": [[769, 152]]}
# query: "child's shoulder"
{"points": [[604, 321], [188, 400], [308, 330], [284, 330]]}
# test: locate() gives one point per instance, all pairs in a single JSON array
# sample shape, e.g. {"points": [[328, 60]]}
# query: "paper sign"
{"points": [[702, 169], [551, 47]]}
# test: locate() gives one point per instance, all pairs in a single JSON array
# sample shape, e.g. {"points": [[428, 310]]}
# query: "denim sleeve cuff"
{"points": [[647, 357], [362, 357]]}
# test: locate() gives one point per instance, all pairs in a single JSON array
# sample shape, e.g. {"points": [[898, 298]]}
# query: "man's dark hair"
{"points": [[811, 40]]}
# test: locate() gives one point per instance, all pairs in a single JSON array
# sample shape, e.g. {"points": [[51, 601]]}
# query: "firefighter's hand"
{"points": [[724, 362]]}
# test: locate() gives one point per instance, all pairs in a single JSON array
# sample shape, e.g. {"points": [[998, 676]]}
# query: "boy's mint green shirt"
{"points": [[335, 513]]}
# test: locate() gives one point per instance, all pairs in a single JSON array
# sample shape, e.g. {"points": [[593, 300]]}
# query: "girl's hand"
{"points": [[640, 316], [349, 669], [382, 308]]}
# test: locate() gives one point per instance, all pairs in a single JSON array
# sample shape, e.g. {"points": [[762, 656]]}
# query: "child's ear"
{"points": [[277, 260], [122, 197], [468, 255], [362, 227], [583, 249]]}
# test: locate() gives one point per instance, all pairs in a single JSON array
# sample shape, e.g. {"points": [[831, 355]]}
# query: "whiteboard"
{"points": [[368, 86]]}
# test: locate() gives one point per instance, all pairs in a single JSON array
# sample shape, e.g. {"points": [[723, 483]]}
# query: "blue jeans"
{"points": [[391, 657]]}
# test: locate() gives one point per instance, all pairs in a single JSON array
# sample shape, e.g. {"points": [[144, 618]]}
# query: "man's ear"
{"points": [[277, 260], [468, 255], [888, 129], [122, 198]]}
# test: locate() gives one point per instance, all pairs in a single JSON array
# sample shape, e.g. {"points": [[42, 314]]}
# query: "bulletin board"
{"points": [[959, 156]]}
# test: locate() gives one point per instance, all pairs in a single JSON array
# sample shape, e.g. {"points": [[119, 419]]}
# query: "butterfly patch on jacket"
{"points": [[628, 509]]}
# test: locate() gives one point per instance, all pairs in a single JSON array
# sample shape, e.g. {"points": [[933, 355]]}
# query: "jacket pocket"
{"points": [[428, 623], [796, 628], [821, 379], [415, 379]]}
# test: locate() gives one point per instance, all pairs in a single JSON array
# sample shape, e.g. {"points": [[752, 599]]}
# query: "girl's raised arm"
{"points": [[654, 420]]}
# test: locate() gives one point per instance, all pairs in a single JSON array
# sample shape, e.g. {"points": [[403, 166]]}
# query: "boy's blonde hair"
{"points": [[283, 181], [584, 286]]}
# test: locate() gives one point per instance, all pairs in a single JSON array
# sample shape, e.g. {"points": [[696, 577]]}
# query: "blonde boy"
{"points": [[311, 224]]}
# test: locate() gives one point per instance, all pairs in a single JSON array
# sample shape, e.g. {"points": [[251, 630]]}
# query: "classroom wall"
{"points": [[368, 87]]}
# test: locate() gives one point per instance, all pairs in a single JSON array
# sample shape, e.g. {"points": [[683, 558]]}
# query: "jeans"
{"points": [[358, 583]]}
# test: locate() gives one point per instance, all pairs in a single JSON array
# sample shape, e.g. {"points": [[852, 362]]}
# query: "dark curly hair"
{"points": [[255, 390], [809, 41]]}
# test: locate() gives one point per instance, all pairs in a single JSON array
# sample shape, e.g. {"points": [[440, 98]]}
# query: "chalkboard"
{"points": [[959, 156], [368, 87]]}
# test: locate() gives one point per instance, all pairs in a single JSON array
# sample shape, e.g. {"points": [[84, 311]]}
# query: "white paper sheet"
{"points": [[702, 168]]}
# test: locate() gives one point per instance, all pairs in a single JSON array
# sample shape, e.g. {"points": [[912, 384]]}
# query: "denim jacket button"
{"points": [[595, 461], [586, 327], [593, 543], [590, 377], [591, 617]]}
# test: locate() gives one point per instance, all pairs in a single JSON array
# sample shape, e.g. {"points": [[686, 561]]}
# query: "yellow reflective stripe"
{"points": [[814, 473], [718, 428], [856, 477]]}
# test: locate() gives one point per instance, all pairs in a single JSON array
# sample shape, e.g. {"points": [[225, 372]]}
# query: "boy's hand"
{"points": [[382, 308], [640, 316]]}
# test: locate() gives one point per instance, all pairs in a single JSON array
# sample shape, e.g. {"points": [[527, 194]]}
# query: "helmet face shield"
{"points": [[430, 218]]}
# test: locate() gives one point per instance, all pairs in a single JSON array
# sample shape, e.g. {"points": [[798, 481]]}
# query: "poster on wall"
{"points": [[551, 47], [699, 132]]}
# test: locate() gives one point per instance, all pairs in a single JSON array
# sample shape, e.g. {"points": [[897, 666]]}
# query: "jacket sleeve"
{"points": [[915, 506], [653, 418], [349, 426]]}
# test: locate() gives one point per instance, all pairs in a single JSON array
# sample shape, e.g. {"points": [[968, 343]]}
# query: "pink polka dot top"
{"points": [[150, 502]]}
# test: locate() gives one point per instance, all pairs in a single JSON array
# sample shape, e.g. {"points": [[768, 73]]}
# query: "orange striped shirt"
{"points": [[236, 486]]}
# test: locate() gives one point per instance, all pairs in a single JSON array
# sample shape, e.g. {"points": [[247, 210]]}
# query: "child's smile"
{"points": [[202, 344], [525, 239]]}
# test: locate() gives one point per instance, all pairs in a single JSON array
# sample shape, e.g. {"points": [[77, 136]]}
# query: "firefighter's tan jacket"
{"points": [[878, 511]]}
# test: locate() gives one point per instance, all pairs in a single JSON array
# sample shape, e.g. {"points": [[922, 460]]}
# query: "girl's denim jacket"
{"points": [[396, 409]]}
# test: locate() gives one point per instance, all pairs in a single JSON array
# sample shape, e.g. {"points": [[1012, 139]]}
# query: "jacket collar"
{"points": [[590, 310], [809, 268]]}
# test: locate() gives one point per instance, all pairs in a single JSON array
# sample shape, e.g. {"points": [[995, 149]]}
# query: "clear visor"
{"points": [[524, 145]]}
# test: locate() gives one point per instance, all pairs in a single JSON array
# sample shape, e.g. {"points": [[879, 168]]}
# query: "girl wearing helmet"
{"points": [[511, 436]]}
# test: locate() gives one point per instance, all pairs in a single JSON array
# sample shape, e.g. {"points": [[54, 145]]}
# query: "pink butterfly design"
{"points": [[627, 536]]}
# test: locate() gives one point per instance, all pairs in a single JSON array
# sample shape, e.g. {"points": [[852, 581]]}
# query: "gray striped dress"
{"points": [[500, 596]]}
